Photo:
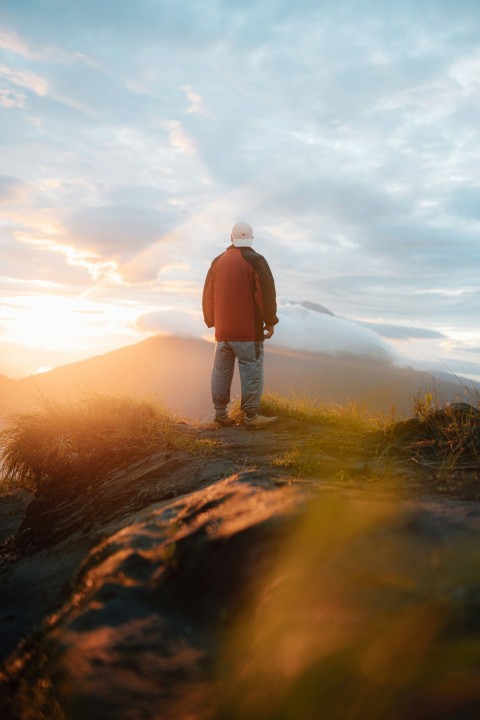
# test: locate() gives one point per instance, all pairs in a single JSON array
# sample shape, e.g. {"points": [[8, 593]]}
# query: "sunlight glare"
{"points": [[59, 323]]}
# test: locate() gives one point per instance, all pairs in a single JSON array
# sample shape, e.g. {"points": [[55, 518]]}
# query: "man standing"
{"points": [[239, 300]]}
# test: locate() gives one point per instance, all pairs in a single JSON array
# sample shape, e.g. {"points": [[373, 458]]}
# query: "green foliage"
{"points": [[87, 437], [425, 405]]}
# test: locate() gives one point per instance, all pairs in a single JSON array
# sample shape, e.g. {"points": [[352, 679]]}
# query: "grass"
{"points": [[346, 443], [88, 437], [446, 438], [306, 409], [325, 440]]}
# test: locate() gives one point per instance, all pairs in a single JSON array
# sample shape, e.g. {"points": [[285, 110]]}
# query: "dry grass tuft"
{"points": [[308, 410], [444, 437], [87, 437]]}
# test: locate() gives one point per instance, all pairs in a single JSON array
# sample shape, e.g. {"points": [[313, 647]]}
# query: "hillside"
{"points": [[315, 553], [177, 372]]}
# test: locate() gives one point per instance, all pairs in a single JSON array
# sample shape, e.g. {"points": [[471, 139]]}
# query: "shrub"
{"points": [[444, 437]]}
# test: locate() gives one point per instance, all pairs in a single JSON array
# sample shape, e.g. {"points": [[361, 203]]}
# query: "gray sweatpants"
{"points": [[250, 367]]}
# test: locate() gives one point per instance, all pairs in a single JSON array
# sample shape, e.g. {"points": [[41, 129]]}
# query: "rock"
{"points": [[137, 637]]}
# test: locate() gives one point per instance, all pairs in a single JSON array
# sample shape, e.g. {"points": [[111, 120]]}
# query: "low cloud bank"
{"points": [[172, 322], [401, 332], [303, 328]]}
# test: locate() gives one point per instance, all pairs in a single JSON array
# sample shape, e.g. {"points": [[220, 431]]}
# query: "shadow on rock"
{"points": [[140, 633]]}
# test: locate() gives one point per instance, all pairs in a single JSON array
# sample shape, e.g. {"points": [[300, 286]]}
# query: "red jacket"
{"points": [[239, 295]]}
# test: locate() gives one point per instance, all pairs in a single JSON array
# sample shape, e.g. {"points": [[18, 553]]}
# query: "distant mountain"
{"points": [[10, 393], [6, 382], [176, 372], [313, 306]]}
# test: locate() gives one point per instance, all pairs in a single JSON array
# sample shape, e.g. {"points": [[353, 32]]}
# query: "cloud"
{"points": [[465, 202], [137, 196], [400, 332], [463, 349], [392, 332], [304, 329], [171, 321], [25, 79], [179, 139], [25, 266], [300, 328], [12, 42], [118, 231], [12, 190], [12, 98], [196, 102], [97, 268]]}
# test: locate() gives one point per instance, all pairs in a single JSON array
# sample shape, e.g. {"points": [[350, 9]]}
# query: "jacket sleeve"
{"points": [[269, 296], [207, 299]]}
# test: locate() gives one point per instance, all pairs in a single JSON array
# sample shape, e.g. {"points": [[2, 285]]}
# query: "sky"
{"points": [[134, 135]]}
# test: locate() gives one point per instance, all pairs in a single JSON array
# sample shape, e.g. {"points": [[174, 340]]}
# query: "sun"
{"points": [[52, 322], [45, 322], [45, 330]]}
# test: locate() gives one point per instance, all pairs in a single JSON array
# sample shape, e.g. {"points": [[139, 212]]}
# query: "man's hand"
{"points": [[268, 331]]}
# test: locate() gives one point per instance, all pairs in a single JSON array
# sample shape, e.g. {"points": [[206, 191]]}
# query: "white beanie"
{"points": [[242, 234]]}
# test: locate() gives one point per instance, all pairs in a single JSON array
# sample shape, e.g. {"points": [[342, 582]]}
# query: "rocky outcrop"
{"points": [[137, 636]]}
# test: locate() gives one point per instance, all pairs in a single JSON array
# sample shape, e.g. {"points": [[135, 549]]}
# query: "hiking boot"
{"points": [[258, 422], [223, 421]]}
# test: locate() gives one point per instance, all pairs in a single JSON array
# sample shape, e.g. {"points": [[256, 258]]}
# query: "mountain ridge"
{"points": [[176, 371]]}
